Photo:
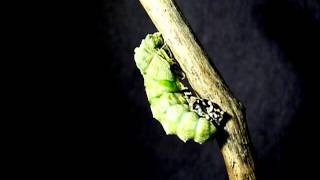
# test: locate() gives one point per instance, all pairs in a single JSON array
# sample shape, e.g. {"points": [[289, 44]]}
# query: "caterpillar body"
{"points": [[172, 104]]}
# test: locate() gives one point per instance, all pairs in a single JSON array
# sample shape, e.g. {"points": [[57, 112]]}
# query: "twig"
{"points": [[206, 81]]}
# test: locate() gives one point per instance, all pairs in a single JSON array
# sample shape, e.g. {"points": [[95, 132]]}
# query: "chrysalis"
{"points": [[171, 103]]}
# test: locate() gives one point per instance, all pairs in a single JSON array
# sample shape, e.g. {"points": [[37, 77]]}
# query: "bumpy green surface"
{"points": [[168, 105]]}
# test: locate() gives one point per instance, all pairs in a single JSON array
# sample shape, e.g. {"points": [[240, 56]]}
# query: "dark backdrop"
{"points": [[266, 51]]}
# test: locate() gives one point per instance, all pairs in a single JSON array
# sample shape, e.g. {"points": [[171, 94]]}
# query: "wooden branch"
{"points": [[206, 81]]}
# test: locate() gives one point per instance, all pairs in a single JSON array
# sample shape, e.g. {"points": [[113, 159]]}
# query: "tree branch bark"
{"points": [[206, 81]]}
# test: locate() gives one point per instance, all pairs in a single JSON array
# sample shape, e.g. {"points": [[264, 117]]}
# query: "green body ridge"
{"points": [[168, 105]]}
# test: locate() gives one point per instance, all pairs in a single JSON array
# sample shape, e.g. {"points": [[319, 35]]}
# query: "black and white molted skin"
{"points": [[204, 108]]}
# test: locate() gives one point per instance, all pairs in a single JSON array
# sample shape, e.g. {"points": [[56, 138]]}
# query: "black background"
{"points": [[266, 51]]}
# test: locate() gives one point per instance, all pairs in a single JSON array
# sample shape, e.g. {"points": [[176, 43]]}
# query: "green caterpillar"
{"points": [[171, 103]]}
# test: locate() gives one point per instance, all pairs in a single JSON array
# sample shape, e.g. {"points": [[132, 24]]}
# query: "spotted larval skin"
{"points": [[204, 108], [172, 104]]}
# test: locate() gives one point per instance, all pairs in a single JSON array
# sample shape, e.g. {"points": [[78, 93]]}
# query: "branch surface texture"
{"points": [[234, 143]]}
